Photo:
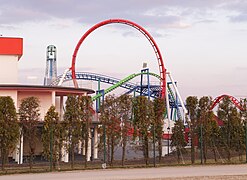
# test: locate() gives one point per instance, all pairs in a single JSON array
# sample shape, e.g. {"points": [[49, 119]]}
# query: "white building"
{"points": [[11, 50]]}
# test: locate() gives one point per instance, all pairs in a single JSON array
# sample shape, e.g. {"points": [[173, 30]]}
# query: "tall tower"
{"points": [[51, 65]]}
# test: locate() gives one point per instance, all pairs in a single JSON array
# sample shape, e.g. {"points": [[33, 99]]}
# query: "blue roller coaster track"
{"points": [[126, 84]]}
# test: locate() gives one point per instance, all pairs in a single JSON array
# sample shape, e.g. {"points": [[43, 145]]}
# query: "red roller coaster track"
{"points": [[139, 28], [233, 99]]}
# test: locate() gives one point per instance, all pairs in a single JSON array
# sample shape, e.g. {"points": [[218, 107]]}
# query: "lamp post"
{"points": [[168, 130]]}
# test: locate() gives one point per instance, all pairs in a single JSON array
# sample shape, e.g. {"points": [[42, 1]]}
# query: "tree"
{"points": [[143, 118], [159, 108], [232, 131], [52, 137], [9, 128], [124, 110], [111, 121], [243, 115], [72, 126], [192, 105], [86, 115], [214, 137], [29, 118], [205, 122], [178, 139]]}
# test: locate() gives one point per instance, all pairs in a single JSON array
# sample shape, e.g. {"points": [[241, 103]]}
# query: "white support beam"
{"points": [[89, 152], [95, 146], [178, 94]]}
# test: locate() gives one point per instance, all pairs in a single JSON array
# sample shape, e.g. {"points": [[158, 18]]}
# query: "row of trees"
{"points": [[70, 132], [121, 117], [124, 117], [223, 134], [55, 134], [11, 128]]}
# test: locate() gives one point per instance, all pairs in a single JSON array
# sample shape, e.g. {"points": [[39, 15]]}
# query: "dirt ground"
{"points": [[237, 177]]}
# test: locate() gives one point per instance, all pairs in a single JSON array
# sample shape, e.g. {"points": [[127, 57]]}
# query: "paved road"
{"points": [[146, 173]]}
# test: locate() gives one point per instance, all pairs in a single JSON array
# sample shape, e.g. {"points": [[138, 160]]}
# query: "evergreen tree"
{"points": [[29, 114], [9, 128], [159, 109], [232, 131], [178, 139], [86, 115], [143, 118], [243, 115], [124, 109], [214, 137], [205, 123], [192, 105], [72, 126], [52, 137], [111, 121]]}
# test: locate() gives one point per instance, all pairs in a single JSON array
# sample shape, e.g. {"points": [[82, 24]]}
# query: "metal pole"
{"points": [[178, 94], [168, 153], [104, 130], [104, 145], [201, 143], [154, 145], [98, 99]]}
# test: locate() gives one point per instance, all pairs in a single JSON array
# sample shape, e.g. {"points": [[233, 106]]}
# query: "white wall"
{"points": [[8, 69], [11, 93]]}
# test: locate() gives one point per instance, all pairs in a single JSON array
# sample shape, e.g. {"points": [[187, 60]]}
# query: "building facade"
{"points": [[11, 50]]}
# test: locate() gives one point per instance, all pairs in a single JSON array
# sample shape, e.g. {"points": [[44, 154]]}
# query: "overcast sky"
{"points": [[203, 42]]}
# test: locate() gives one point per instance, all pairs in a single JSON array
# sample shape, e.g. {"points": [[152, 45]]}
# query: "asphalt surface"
{"points": [[145, 173]]}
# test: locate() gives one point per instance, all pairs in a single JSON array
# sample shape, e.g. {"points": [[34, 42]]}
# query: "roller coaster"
{"points": [[172, 99], [175, 108], [176, 104]]}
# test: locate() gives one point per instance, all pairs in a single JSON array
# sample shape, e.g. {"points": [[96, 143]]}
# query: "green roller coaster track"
{"points": [[130, 77]]}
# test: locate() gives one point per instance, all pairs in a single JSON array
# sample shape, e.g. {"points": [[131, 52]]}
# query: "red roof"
{"points": [[11, 46]]}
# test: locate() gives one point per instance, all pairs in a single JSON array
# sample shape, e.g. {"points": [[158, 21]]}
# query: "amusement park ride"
{"points": [[175, 107]]}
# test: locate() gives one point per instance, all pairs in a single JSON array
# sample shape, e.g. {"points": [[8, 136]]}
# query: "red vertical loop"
{"points": [[139, 28], [233, 99]]}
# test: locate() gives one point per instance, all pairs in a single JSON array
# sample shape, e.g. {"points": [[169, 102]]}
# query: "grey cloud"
{"points": [[164, 13], [239, 9], [239, 18], [205, 21], [8, 27], [155, 34]]}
